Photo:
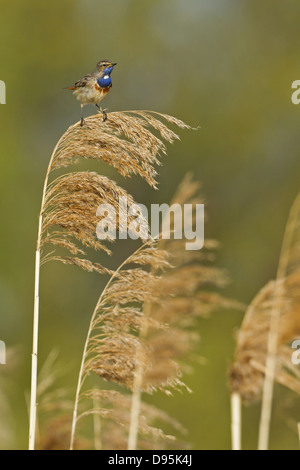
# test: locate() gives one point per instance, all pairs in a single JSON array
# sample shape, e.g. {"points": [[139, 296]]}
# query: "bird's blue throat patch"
{"points": [[105, 81]]}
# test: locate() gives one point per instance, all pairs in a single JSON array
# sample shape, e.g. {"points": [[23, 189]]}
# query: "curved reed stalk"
{"points": [[289, 263], [68, 208], [55, 407], [34, 357], [236, 425], [270, 323], [187, 189], [182, 290], [141, 329], [124, 289]]}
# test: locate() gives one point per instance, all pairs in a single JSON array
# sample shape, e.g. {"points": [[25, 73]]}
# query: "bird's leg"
{"points": [[103, 113], [81, 120]]}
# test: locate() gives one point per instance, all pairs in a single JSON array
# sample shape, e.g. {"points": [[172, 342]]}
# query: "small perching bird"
{"points": [[94, 87]]}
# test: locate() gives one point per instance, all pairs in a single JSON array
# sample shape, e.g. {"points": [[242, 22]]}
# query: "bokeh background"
{"points": [[224, 65]]}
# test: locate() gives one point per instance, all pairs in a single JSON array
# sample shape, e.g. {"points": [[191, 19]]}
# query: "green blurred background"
{"points": [[224, 65]]}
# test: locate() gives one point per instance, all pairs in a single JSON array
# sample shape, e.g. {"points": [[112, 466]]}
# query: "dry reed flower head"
{"points": [[127, 142], [280, 298], [68, 221], [143, 326], [55, 409], [112, 411], [248, 371]]}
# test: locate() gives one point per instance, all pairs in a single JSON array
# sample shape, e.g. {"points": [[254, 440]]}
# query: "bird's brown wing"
{"points": [[81, 83]]}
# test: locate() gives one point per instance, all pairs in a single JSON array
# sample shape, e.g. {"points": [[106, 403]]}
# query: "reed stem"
{"points": [[236, 421], [136, 396], [267, 398], [33, 403], [34, 356], [84, 354]]}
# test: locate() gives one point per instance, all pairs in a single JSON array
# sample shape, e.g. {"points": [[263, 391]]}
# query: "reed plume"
{"points": [[263, 353], [55, 408], [67, 219], [142, 328]]}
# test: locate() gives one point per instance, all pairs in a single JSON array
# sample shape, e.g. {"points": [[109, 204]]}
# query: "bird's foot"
{"points": [[104, 114], [81, 122]]}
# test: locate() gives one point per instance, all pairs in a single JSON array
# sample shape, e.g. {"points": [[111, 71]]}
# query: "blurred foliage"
{"points": [[226, 66]]}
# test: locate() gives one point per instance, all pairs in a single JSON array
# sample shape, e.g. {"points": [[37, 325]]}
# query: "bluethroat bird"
{"points": [[94, 87]]}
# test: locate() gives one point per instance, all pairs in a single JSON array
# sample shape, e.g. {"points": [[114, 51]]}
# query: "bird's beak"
{"points": [[113, 64]]}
